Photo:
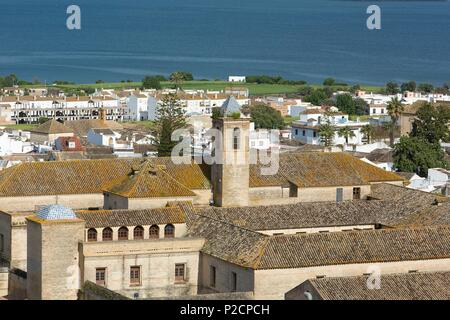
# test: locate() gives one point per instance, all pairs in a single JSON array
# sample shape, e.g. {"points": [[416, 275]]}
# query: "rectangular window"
{"points": [[296, 132], [356, 193], [212, 276], [180, 269], [233, 281], [339, 195], [304, 133], [314, 134], [135, 276], [100, 276]]}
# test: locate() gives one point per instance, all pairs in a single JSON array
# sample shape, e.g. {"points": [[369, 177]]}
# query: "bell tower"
{"points": [[230, 173]]}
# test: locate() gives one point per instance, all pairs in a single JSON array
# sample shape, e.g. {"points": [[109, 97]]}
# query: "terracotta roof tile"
{"points": [[52, 127], [409, 286], [147, 181], [371, 246]]}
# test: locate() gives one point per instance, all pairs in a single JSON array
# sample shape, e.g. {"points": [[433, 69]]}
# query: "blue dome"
{"points": [[56, 212]]}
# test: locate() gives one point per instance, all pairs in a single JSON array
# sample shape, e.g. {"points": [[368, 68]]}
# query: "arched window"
{"points": [[138, 233], [154, 232], [107, 234], [169, 231], [236, 138], [92, 235], [123, 233]]}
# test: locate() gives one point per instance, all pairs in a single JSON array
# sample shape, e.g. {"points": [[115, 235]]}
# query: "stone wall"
{"points": [[223, 276], [53, 259], [113, 201], [74, 201], [3, 281], [156, 259], [17, 285]]}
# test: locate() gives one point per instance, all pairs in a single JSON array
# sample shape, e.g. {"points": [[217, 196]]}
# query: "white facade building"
{"points": [[237, 79], [28, 109], [306, 129]]}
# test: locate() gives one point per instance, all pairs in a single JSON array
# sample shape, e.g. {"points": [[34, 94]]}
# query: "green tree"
{"points": [[177, 78], [355, 88], [151, 83], [394, 109], [42, 120], [391, 88], [346, 133], [361, 107], [345, 103], [425, 88], [329, 81], [318, 96], [326, 133], [431, 123], [266, 117], [170, 117], [368, 132], [413, 154], [408, 86]]}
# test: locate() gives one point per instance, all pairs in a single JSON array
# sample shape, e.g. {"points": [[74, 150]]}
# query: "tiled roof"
{"points": [[230, 106], [129, 218], [91, 176], [228, 242], [55, 212], [85, 176], [148, 181], [52, 127], [61, 177], [82, 127], [104, 131], [190, 174], [409, 286], [254, 250], [371, 246], [310, 215], [321, 169]]}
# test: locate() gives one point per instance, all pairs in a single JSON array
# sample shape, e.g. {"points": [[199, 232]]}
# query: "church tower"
{"points": [[53, 237], [230, 173]]}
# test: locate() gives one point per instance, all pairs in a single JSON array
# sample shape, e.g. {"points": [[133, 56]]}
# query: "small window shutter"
{"points": [[339, 195]]}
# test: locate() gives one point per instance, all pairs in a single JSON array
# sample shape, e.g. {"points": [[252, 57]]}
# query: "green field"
{"points": [[255, 89], [24, 126]]}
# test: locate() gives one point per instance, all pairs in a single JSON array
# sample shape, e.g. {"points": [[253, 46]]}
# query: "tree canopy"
{"points": [[266, 117], [151, 82], [413, 154], [391, 87], [431, 123], [170, 117]]}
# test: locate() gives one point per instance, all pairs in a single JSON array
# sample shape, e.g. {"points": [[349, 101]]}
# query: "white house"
{"points": [[102, 137], [306, 129], [137, 107], [237, 79], [10, 145]]}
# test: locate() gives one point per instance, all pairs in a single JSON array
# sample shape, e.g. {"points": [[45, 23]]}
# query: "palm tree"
{"points": [[177, 78], [394, 109], [346, 133], [368, 132], [326, 133]]}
